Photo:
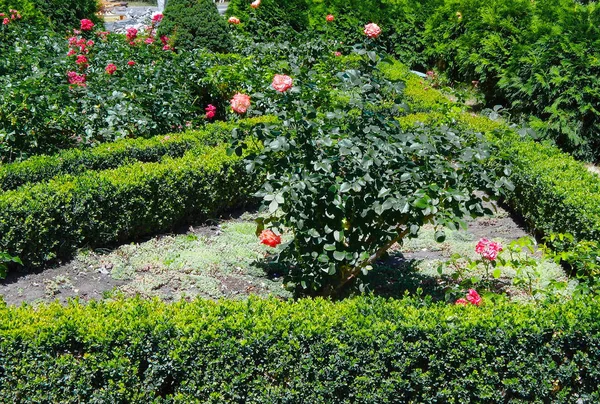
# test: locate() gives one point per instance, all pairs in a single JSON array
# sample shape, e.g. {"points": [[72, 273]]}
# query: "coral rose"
{"points": [[240, 103], [372, 30], [86, 25], [282, 83], [255, 4], [233, 20], [269, 238]]}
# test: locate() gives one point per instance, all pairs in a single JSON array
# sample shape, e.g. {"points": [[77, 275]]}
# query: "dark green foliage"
{"points": [[194, 24], [365, 350], [112, 155], [60, 15], [50, 220], [271, 18]]}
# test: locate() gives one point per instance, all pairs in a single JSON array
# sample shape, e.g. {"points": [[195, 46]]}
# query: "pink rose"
{"points": [[167, 47], [2, 15], [240, 103], [282, 83], [86, 25], [473, 297], [156, 18], [330, 18], [164, 39], [338, 53], [110, 68], [149, 40], [76, 79], [372, 30], [211, 111], [233, 20], [5, 21], [131, 63], [255, 4], [71, 52], [81, 60], [131, 34], [488, 249], [461, 301]]}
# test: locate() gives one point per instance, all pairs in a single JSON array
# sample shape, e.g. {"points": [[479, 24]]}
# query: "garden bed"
{"points": [[219, 260]]}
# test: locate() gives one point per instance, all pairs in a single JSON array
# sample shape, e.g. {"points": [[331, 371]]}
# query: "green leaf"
{"points": [[339, 255]]}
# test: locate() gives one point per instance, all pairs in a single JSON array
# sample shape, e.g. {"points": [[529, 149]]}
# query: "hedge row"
{"points": [[52, 219], [112, 155], [553, 192], [363, 350]]}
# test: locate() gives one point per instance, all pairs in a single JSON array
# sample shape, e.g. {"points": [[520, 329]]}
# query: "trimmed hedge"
{"points": [[47, 221], [553, 192], [365, 350], [112, 155]]}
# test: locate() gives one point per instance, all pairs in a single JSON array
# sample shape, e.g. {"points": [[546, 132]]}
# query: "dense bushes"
{"points": [[194, 24], [159, 92], [50, 220], [265, 351], [60, 15], [115, 154], [553, 192], [539, 57]]}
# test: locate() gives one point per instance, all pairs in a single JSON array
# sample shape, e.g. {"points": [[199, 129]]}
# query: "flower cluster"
{"points": [[240, 103], [14, 15], [488, 249], [211, 110], [269, 238], [282, 83], [76, 79], [131, 34], [111, 68], [472, 297]]}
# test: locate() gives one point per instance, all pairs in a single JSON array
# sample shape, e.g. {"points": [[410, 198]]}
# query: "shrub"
{"points": [[195, 24], [60, 15], [365, 350], [47, 221], [272, 18], [351, 186]]}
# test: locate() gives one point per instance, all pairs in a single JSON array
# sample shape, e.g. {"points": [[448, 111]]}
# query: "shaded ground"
{"points": [[218, 260]]}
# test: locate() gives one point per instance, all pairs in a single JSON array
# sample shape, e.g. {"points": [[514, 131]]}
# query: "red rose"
{"points": [[110, 68], [131, 63], [269, 238], [330, 18]]}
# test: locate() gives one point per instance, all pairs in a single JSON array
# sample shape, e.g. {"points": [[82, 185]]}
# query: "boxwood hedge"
{"points": [[363, 350], [51, 219], [115, 154]]}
